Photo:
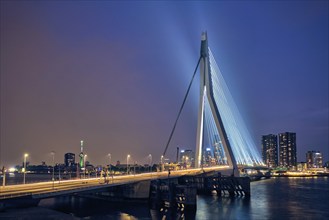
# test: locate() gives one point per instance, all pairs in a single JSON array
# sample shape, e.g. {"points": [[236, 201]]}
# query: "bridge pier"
{"points": [[227, 186], [222, 185], [179, 194], [171, 199]]}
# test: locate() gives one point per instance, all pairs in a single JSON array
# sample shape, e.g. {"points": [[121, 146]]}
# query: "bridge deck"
{"points": [[51, 189]]}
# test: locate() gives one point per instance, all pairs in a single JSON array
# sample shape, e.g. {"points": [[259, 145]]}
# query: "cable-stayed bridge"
{"points": [[222, 134], [223, 142], [222, 137]]}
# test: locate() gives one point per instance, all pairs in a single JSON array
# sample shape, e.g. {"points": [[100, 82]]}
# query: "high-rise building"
{"points": [[187, 157], [287, 150], [81, 156], [69, 159], [270, 150], [314, 159], [208, 158], [301, 166]]}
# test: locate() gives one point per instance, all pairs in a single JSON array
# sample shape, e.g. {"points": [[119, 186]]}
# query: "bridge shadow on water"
{"points": [[87, 208], [97, 209]]}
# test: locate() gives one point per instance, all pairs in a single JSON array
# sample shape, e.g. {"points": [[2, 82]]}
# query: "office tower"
{"points": [[270, 150], [69, 159], [287, 150], [314, 159], [207, 157], [187, 157], [81, 156]]}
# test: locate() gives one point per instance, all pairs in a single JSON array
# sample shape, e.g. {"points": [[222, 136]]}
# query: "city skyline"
{"points": [[114, 75]]}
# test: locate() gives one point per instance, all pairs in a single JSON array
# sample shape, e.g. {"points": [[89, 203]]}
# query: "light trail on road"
{"points": [[67, 185]]}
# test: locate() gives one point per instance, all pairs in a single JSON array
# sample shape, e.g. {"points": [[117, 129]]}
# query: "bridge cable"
{"points": [[182, 106]]}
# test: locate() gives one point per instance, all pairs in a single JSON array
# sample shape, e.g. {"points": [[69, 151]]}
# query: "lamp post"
{"points": [[127, 162], [4, 177], [150, 156], [135, 168], [59, 173], [110, 157], [25, 156], [162, 166], [53, 154]]}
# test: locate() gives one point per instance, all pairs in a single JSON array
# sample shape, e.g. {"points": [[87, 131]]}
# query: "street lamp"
{"points": [[4, 176], [150, 156], [135, 167], [25, 156], [162, 166], [127, 162], [53, 154], [110, 157]]}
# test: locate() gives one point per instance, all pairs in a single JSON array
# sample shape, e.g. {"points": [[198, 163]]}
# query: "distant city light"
{"points": [[12, 169]]}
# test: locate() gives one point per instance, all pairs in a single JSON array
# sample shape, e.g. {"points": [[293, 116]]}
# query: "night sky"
{"points": [[115, 74]]}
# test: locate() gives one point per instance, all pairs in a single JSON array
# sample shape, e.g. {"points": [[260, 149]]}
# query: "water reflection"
{"points": [[222, 207], [95, 208], [277, 198]]}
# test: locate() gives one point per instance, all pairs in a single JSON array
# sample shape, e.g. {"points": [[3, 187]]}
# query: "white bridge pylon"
{"points": [[222, 137]]}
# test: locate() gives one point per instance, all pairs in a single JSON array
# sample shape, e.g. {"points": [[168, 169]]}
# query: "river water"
{"points": [[276, 198]]}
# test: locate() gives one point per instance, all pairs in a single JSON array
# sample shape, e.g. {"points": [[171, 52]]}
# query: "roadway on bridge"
{"points": [[83, 184]]}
